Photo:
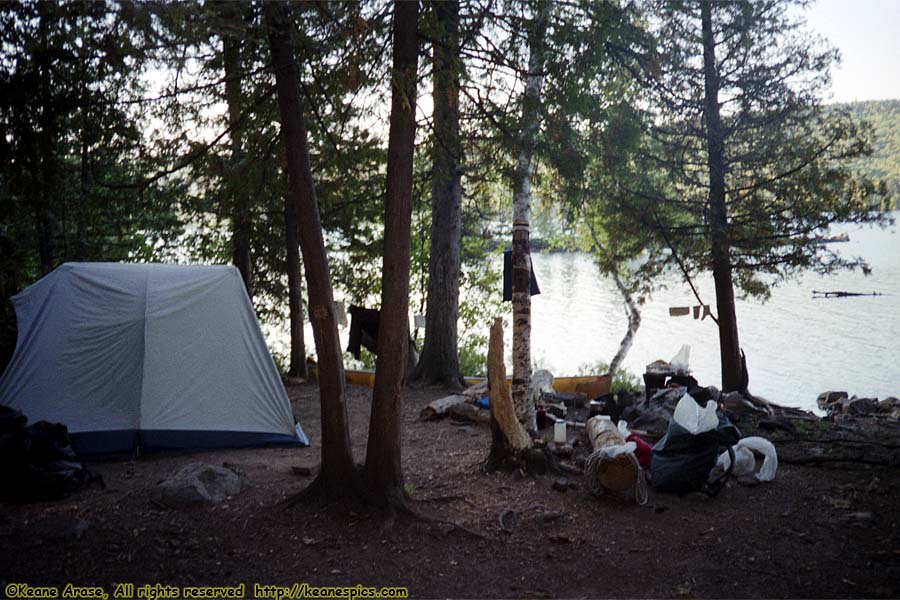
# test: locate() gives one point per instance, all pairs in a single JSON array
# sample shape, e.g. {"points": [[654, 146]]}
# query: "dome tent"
{"points": [[146, 356]]}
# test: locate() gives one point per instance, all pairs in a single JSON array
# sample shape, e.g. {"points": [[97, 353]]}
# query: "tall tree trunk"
{"points": [[337, 474], [521, 251], [45, 189], [439, 362], [384, 474], [729, 346], [240, 210], [297, 366], [634, 322]]}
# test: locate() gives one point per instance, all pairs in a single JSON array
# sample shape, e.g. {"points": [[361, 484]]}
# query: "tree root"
{"points": [[314, 491], [401, 505], [531, 461], [322, 488], [448, 498]]}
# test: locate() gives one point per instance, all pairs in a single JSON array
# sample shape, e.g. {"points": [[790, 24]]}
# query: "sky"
{"points": [[867, 33]]}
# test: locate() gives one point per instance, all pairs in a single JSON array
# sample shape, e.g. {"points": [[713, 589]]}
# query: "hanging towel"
{"points": [[507, 278], [679, 311]]}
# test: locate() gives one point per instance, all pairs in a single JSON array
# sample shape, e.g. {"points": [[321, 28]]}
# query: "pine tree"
{"points": [[744, 168]]}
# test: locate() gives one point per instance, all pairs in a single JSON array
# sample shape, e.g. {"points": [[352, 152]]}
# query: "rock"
{"points": [[888, 405], [561, 485], [860, 406], [562, 450], [196, 484], [560, 539], [78, 529], [736, 403], [861, 516], [552, 516], [826, 399]]}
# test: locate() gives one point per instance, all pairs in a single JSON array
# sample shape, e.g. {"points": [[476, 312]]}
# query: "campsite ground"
{"points": [[816, 531]]}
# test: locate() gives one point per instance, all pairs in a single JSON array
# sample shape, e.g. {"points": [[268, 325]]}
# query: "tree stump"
{"points": [[508, 437]]}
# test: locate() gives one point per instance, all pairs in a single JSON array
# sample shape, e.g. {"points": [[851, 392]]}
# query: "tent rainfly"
{"points": [[146, 356]]}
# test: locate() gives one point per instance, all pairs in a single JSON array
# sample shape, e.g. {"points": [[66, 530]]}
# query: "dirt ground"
{"points": [[828, 531]]}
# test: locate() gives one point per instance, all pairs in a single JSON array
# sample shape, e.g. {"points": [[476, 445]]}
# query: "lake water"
{"points": [[797, 346]]}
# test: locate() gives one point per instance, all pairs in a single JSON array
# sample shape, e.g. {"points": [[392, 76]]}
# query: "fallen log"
{"points": [[438, 408], [842, 294], [476, 391], [608, 471], [468, 412]]}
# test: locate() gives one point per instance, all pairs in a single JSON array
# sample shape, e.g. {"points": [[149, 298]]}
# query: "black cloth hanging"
{"points": [[363, 329], [507, 278]]}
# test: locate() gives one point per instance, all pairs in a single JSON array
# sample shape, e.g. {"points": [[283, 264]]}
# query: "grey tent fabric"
{"points": [[148, 355]]}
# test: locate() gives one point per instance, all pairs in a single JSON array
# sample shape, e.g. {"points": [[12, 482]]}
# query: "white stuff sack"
{"points": [[744, 450], [744, 462], [618, 450], [692, 417], [680, 363], [542, 381]]}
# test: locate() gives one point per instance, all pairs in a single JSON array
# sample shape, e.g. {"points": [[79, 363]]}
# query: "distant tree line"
{"points": [[884, 163]]}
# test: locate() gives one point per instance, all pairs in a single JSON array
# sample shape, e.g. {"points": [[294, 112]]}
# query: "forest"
{"points": [[883, 163], [143, 132]]}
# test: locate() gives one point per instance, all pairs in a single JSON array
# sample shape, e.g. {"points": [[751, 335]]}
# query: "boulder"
{"points": [[737, 403], [888, 405], [827, 399], [197, 484], [860, 406]]}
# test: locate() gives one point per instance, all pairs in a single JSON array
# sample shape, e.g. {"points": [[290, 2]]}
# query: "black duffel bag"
{"points": [[681, 462]]}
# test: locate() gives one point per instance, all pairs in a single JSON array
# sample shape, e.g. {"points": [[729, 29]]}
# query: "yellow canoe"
{"points": [[590, 385]]}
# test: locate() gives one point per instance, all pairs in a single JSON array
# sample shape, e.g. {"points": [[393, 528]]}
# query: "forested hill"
{"points": [[884, 115]]}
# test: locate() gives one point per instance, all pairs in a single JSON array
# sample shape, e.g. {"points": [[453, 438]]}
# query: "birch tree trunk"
{"points": [[729, 345], [521, 251], [383, 471], [337, 474], [439, 362], [634, 322]]}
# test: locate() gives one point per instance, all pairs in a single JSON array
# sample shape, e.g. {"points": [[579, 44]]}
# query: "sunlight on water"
{"points": [[796, 346]]}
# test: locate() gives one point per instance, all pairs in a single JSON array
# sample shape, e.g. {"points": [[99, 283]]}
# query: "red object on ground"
{"points": [[643, 450]]}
